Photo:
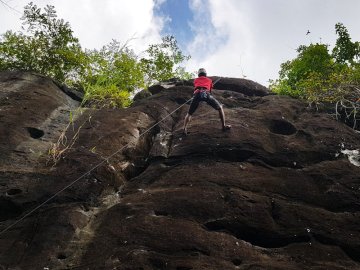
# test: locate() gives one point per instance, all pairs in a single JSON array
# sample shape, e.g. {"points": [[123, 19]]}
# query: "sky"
{"points": [[230, 38]]}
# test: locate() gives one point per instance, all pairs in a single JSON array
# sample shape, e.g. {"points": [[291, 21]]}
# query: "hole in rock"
{"points": [[184, 268], [236, 262], [160, 213], [13, 191], [35, 133], [61, 256], [9, 209], [282, 127]]}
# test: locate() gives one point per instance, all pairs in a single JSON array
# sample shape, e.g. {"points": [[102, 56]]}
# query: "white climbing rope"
{"points": [[89, 171], [92, 169]]}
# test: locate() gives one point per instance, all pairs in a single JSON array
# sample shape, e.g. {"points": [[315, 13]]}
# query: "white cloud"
{"points": [[159, 2], [233, 38], [102, 21], [262, 34], [96, 23]]}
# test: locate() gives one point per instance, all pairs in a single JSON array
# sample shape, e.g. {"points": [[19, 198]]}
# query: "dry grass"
{"points": [[58, 149]]}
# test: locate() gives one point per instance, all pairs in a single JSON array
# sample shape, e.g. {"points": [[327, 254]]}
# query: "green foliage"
{"points": [[181, 73], [345, 51], [108, 76], [115, 66], [318, 76], [313, 63], [162, 60], [107, 95], [47, 46], [113, 74]]}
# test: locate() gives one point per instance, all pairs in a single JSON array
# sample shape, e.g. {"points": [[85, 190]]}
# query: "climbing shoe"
{"points": [[226, 127]]}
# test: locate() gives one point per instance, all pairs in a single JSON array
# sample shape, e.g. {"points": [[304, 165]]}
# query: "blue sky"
{"points": [[187, 20], [178, 20], [231, 38]]}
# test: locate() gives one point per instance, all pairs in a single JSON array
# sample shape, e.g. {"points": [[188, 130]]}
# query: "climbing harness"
{"points": [[92, 169], [203, 93]]}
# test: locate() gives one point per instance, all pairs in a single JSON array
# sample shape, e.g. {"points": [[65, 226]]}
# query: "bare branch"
{"points": [[10, 7]]}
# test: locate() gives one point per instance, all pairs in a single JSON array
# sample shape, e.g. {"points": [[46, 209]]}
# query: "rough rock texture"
{"points": [[32, 115], [275, 192]]}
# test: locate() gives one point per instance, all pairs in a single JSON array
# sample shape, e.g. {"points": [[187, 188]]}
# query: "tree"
{"points": [[345, 51], [319, 77], [108, 76], [113, 75], [47, 46], [162, 61], [313, 63], [115, 71]]}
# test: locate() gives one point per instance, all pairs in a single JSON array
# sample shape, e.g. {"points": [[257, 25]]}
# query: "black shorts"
{"points": [[202, 96]]}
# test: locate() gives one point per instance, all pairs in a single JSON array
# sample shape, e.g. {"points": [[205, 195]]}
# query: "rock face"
{"points": [[275, 192]]}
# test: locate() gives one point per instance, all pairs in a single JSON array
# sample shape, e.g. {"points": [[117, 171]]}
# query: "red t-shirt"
{"points": [[203, 82]]}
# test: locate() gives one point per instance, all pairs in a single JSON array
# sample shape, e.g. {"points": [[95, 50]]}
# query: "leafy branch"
{"points": [[318, 76]]}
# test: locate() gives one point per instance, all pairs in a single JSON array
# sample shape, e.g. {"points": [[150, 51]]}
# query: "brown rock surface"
{"points": [[275, 192]]}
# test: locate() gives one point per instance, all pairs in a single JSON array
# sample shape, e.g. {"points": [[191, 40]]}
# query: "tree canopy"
{"points": [[108, 76], [320, 76], [46, 45]]}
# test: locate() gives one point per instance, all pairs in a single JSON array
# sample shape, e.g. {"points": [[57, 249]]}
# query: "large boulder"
{"points": [[279, 191], [33, 113]]}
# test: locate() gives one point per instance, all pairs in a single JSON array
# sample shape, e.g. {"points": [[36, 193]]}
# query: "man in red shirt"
{"points": [[202, 92]]}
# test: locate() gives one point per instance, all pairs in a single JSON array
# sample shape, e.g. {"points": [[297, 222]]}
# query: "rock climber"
{"points": [[202, 92]]}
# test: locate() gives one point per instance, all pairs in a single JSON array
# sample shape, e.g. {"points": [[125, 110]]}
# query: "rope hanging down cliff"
{"points": [[92, 169]]}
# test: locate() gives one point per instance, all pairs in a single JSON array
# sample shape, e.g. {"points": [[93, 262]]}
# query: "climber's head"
{"points": [[202, 72]]}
